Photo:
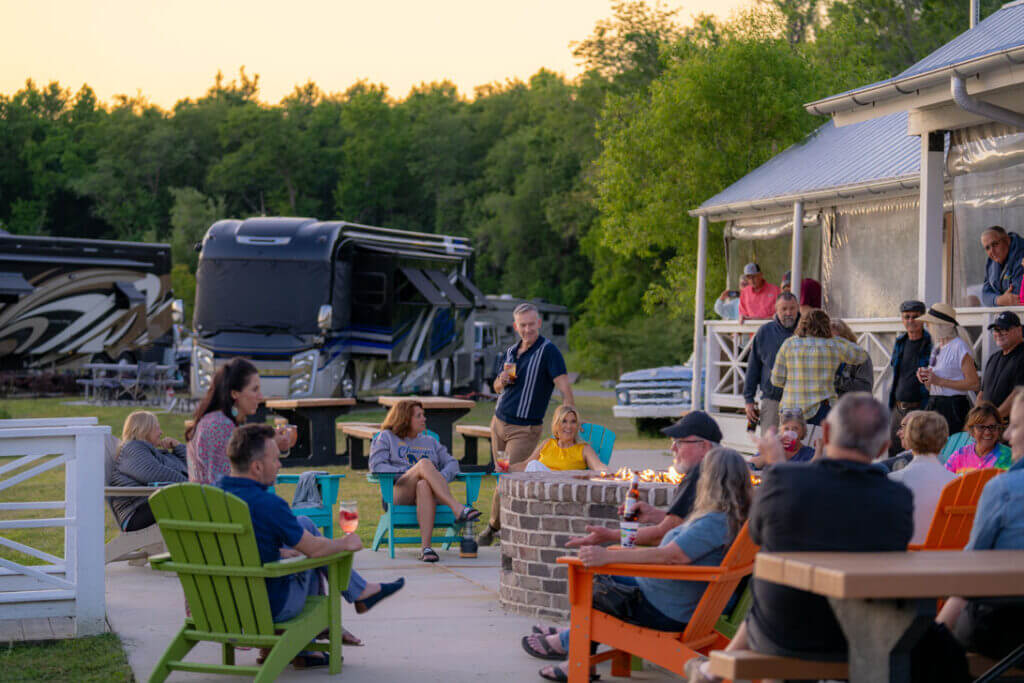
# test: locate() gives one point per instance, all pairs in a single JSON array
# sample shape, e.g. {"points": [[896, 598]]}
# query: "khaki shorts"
{"points": [[518, 441]]}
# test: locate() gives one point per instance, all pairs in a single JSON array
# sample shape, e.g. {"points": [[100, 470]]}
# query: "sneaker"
{"points": [[487, 536]]}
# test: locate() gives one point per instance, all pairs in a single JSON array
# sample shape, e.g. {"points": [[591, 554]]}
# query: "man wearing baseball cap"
{"points": [[693, 436], [1004, 369], [757, 299], [911, 351]]}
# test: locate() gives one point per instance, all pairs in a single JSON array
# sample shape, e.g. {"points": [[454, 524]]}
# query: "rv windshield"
{"points": [[260, 296]]}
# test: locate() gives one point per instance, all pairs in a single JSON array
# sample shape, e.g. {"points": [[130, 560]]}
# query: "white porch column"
{"points": [[929, 231], [797, 256], [696, 390]]}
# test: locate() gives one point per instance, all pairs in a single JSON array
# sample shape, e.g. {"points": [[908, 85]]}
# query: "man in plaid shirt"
{"points": [[807, 363]]}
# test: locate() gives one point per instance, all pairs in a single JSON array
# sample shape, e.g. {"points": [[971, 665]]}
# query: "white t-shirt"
{"points": [[925, 476], [947, 363]]}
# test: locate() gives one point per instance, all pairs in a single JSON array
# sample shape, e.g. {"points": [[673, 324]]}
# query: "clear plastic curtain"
{"points": [[869, 258], [768, 242], [987, 167]]}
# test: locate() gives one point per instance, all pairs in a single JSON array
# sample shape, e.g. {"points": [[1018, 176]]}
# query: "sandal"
{"points": [[469, 514], [428, 555], [545, 630], [537, 646], [555, 673]]}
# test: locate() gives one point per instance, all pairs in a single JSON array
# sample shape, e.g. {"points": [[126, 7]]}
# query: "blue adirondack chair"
{"points": [[322, 516], [404, 516], [953, 444], [601, 439]]}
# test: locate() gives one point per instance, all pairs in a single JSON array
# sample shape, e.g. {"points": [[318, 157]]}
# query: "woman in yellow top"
{"points": [[564, 450]]}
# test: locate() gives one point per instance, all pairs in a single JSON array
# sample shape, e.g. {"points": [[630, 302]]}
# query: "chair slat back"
{"points": [[232, 604], [953, 444], [951, 524], [601, 439], [740, 556]]}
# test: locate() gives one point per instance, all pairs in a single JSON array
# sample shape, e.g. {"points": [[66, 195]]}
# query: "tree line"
{"points": [[575, 191]]}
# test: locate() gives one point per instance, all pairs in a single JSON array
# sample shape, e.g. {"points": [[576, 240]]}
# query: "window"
{"points": [[370, 289], [558, 330]]}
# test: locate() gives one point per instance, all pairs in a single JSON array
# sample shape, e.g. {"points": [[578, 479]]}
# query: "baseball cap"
{"points": [[788, 277], [751, 269], [1005, 321], [912, 306], [695, 423]]}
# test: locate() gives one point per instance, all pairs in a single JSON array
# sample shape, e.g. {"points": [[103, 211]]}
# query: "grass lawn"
{"points": [[49, 485], [98, 658]]}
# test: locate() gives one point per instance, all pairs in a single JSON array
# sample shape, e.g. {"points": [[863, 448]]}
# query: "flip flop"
{"points": [[545, 630], [428, 555], [469, 514], [558, 675], [545, 650]]}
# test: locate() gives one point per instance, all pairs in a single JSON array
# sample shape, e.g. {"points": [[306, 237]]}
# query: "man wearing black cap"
{"points": [[1004, 369], [692, 436], [910, 352]]}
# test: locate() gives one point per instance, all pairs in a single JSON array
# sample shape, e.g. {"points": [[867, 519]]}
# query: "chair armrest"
{"points": [[285, 567], [472, 480], [682, 572], [387, 484], [158, 561]]}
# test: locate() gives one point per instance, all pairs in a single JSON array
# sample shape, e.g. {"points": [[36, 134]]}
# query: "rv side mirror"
{"points": [[325, 317], [178, 312]]}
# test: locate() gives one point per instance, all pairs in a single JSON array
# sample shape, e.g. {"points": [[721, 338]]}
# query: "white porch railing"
{"points": [[72, 586], [727, 346]]}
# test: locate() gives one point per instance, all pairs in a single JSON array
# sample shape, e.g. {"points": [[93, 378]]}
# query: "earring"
{"points": [[234, 411]]}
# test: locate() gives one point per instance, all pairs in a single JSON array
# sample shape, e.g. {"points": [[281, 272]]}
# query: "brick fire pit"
{"points": [[539, 512]]}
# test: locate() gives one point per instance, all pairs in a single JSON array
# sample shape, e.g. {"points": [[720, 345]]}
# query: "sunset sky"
{"points": [[169, 51]]}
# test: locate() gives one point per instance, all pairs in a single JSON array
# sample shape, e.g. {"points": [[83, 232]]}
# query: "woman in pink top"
{"points": [[984, 424]]}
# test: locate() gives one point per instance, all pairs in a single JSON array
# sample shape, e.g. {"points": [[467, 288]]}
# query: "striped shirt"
{"points": [[525, 401], [806, 370]]}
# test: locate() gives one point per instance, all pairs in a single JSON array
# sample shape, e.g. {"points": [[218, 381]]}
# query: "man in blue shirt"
{"points": [[995, 627], [532, 369], [1003, 269], [255, 462]]}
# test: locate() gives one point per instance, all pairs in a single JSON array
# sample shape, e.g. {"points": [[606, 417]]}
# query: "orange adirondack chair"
{"points": [[666, 649], [954, 515]]}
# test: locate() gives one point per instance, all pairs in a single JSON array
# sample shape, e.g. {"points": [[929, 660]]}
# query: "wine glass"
{"points": [[501, 461], [348, 516]]}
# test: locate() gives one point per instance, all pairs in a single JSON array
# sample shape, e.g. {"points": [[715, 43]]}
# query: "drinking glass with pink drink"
{"points": [[348, 516]]}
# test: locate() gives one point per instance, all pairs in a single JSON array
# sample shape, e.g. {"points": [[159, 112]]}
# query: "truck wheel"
{"points": [[127, 358], [347, 388]]}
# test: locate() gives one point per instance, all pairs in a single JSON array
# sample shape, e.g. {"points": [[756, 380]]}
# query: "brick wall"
{"points": [[539, 513]]}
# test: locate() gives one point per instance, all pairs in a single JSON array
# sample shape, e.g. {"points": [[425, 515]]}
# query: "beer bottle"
{"points": [[630, 510]]}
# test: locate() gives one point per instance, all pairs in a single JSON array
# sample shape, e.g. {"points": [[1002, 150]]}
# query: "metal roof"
{"points": [[992, 43], [830, 160]]}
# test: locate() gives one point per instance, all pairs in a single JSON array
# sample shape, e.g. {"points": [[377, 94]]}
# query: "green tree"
{"points": [[192, 214]]}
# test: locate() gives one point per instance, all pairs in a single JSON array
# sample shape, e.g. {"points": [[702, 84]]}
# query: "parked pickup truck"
{"points": [[654, 394]]}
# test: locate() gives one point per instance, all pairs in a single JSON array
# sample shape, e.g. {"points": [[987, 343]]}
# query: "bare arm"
{"points": [[951, 612], [563, 386], [593, 461], [652, 535], [596, 555], [320, 546]]}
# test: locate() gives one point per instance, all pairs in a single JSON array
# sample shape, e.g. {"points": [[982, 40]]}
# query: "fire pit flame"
{"points": [[669, 476]]}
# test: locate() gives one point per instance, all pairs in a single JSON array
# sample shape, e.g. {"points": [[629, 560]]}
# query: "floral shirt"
{"points": [[208, 449], [965, 459]]}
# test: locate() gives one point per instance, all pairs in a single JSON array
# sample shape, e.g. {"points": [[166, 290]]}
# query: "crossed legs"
{"points": [[425, 487]]}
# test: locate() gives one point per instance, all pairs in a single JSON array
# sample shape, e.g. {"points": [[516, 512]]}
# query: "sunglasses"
{"points": [[988, 428]]}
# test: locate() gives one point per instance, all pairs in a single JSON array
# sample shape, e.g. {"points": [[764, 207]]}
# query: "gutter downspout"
{"points": [[972, 105]]}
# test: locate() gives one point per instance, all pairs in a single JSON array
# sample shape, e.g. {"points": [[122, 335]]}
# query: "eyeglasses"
{"points": [[791, 413], [678, 442], [988, 428]]}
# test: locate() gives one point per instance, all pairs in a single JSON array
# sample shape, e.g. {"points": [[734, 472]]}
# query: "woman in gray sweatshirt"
{"points": [[426, 467], [145, 457]]}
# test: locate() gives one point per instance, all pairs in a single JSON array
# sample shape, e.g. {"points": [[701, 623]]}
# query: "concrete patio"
{"points": [[445, 625]]}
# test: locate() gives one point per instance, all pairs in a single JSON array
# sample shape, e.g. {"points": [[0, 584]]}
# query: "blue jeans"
{"points": [[633, 608], [307, 583]]}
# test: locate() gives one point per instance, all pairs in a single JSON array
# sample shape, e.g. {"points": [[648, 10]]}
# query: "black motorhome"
{"points": [[333, 308], [64, 302]]}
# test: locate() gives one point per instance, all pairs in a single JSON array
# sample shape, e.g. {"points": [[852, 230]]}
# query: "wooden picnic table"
{"points": [[315, 418], [885, 601], [441, 413]]}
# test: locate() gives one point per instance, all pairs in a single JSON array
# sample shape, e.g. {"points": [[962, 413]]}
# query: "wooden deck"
{"points": [[37, 629]]}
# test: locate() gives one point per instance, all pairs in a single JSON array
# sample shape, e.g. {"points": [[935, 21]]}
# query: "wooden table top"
{"points": [[429, 402], [928, 574], [295, 403]]}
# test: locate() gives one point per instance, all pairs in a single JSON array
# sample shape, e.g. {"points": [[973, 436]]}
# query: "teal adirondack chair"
{"points": [[322, 516], [213, 550], [601, 439], [953, 444], [404, 516]]}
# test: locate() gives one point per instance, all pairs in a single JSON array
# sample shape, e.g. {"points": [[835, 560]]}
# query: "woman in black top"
{"points": [[144, 457]]}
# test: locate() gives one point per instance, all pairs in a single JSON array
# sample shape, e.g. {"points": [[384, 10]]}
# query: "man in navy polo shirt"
{"points": [[255, 462], [531, 371]]}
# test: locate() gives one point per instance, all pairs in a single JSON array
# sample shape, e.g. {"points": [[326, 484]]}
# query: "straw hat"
{"points": [[940, 313]]}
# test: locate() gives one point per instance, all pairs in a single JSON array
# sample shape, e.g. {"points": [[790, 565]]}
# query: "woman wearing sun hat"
{"points": [[951, 371]]}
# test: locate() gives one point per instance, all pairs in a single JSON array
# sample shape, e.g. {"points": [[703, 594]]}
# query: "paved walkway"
{"points": [[445, 625]]}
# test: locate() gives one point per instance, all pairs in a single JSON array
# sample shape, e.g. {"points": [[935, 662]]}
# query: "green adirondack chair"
{"points": [[213, 550]]}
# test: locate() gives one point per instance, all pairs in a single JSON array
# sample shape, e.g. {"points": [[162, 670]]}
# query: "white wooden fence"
{"points": [[72, 586]]}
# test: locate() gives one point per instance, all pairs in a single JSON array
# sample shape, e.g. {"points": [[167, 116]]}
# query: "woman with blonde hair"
{"points": [[719, 511], [144, 457], [951, 372], [925, 434], [426, 467], [564, 450]]}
